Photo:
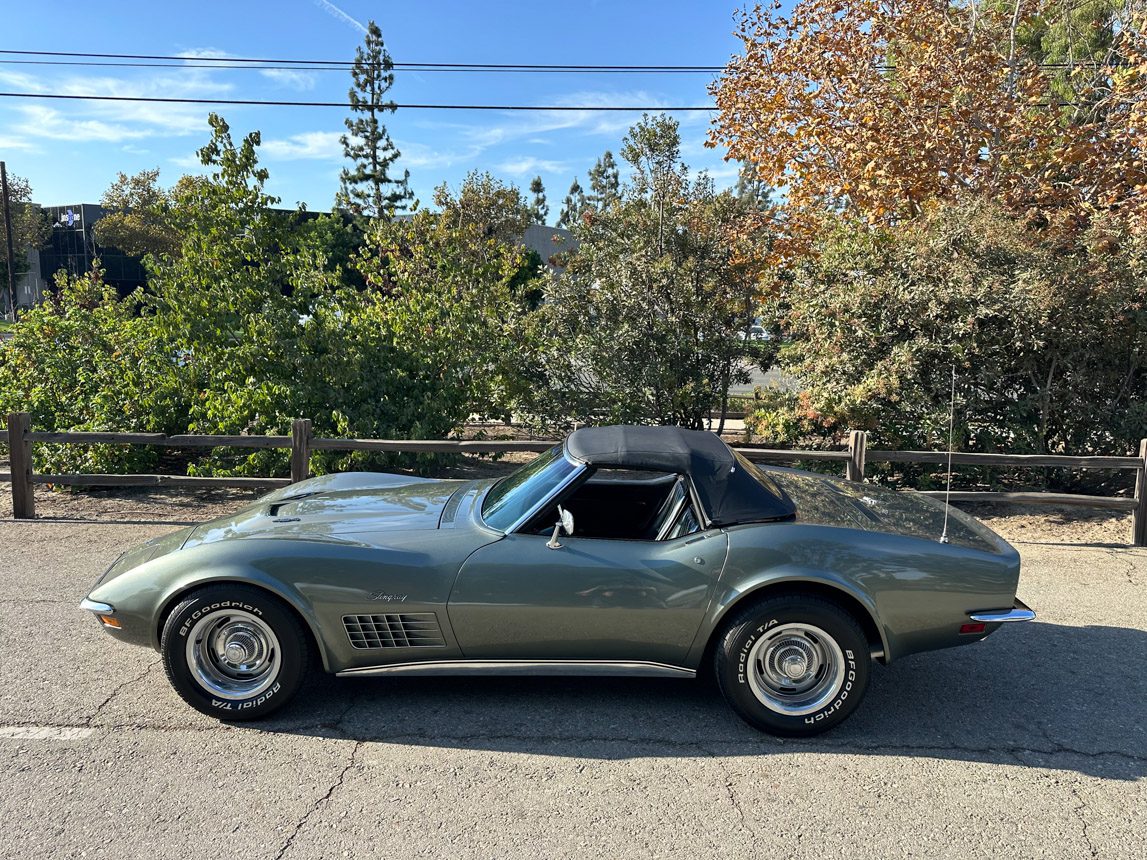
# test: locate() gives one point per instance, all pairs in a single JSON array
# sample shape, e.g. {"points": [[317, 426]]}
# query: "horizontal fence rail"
{"points": [[19, 437]]}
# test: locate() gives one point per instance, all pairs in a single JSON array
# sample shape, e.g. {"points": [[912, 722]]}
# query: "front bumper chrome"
{"points": [[98, 608], [1019, 612]]}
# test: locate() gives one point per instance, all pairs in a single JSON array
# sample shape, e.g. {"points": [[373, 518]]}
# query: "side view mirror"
{"points": [[565, 524]]}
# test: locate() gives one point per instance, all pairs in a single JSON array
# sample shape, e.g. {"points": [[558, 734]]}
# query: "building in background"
{"points": [[71, 246]]}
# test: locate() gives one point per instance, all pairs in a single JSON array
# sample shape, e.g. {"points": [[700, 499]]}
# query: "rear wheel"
{"points": [[234, 652], [793, 665]]}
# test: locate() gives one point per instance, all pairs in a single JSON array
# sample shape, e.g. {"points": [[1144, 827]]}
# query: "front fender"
{"points": [[143, 595]]}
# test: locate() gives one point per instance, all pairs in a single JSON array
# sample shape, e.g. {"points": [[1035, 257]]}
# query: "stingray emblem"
{"points": [[388, 598]]}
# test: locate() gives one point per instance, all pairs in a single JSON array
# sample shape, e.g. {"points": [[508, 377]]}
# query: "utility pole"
{"points": [[8, 239]]}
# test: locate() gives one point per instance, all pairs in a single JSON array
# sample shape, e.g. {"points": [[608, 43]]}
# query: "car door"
{"points": [[589, 599]]}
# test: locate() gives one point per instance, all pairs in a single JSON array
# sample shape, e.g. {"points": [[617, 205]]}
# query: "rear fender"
{"points": [[756, 586]]}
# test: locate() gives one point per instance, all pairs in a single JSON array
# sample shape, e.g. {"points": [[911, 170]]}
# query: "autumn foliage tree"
{"points": [[875, 107]]}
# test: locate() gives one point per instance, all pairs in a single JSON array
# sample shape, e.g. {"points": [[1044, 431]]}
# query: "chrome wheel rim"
{"points": [[233, 655], [795, 669]]}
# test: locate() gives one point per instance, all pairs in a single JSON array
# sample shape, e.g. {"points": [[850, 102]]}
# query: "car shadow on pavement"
{"points": [[1043, 695]]}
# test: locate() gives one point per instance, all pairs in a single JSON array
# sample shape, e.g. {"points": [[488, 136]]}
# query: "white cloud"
{"points": [[47, 122], [725, 171], [302, 81], [420, 155], [316, 145], [20, 81], [84, 120], [529, 164], [186, 161], [7, 142]]}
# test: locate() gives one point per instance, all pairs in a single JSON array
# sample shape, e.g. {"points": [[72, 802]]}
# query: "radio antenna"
{"points": [[951, 437]]}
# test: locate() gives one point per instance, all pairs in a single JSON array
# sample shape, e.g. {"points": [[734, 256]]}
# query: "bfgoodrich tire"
{"points": [[234, 652], [793, 665]]}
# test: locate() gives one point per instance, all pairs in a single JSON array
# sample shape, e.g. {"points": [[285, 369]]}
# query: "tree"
{"points": [[572, 206], [653, 148], [751, 189], [368, 188], [876, 108], [649, 320], [604, 182], [539, 209], [138, 216], [29, 230], [446, 293]]}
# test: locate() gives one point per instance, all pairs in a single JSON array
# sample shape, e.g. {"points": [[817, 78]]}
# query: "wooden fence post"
{"points": [[1139, 517], [857, 449], [300, 449], [20, 456]]}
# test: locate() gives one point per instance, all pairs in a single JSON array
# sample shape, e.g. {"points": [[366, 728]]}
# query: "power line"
{"points": [[269, 103], [223, 64], [346, 65], [171, 61]]}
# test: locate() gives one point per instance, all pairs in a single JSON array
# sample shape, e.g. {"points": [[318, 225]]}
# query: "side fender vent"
{"points": [[394, 630]]}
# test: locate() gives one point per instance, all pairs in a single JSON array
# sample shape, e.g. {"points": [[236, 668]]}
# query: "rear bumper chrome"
{"points": [[1019, 612]]}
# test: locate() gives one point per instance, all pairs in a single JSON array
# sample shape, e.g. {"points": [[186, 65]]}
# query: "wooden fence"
{"points": [[20, 438]]}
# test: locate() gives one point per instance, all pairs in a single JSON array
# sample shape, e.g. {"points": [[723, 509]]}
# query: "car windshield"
{"points": [[516, 495]]}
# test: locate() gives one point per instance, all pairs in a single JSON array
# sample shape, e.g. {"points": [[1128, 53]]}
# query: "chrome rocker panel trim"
{"points": [[99, 608], [1019, 612], [638, 668]]}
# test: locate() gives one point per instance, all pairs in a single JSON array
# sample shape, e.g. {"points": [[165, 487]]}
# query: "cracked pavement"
{"points": [[1030, 744]]}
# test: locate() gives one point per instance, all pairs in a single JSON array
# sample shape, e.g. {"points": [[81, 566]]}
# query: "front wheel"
{"points": [[793, 665], [234, 652]]}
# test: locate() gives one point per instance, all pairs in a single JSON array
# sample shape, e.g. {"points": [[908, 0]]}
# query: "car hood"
{"points": [[333, 505], [823, 500]]}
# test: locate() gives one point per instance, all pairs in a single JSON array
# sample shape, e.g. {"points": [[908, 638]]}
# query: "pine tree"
{"points": [[539, 209], [604, 181], [751, 189], [572, 206], [368, 188]]}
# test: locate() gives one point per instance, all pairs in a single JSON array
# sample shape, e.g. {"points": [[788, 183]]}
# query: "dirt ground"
{"points": [[1016, 523]]}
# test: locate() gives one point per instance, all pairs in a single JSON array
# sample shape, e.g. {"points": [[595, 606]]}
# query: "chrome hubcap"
{"points": [[233, 655], [795, 669]]}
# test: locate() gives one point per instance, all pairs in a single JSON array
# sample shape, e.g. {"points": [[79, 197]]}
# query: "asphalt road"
{"points": [[1031, 744]]}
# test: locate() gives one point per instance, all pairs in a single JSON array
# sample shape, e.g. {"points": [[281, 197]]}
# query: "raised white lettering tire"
{"points": [[793, 665], [234, 652]]}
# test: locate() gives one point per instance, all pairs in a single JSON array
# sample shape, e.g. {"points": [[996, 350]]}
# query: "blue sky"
{"points": [[71, 151]]}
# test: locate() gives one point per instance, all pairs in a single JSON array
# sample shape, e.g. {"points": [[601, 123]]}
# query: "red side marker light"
{"points": [[974, 627]]}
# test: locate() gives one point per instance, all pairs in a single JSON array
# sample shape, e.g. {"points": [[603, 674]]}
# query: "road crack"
{"points": [[1081, 815], [117, 690], [321, 801], [731, 792], [1120, 555]]}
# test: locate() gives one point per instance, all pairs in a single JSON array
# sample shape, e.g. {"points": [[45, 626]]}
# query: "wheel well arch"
{"points": [[835, 594], [179, 594]]}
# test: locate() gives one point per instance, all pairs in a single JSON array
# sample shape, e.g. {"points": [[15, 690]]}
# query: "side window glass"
{"points": [[686, 524]]}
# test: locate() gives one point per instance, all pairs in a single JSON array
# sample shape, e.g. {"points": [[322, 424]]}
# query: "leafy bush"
{"points": [[84, 360], [1046, 325]]}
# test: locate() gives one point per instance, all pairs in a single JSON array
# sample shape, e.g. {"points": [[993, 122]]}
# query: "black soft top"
{"points": [[727, 492]]}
